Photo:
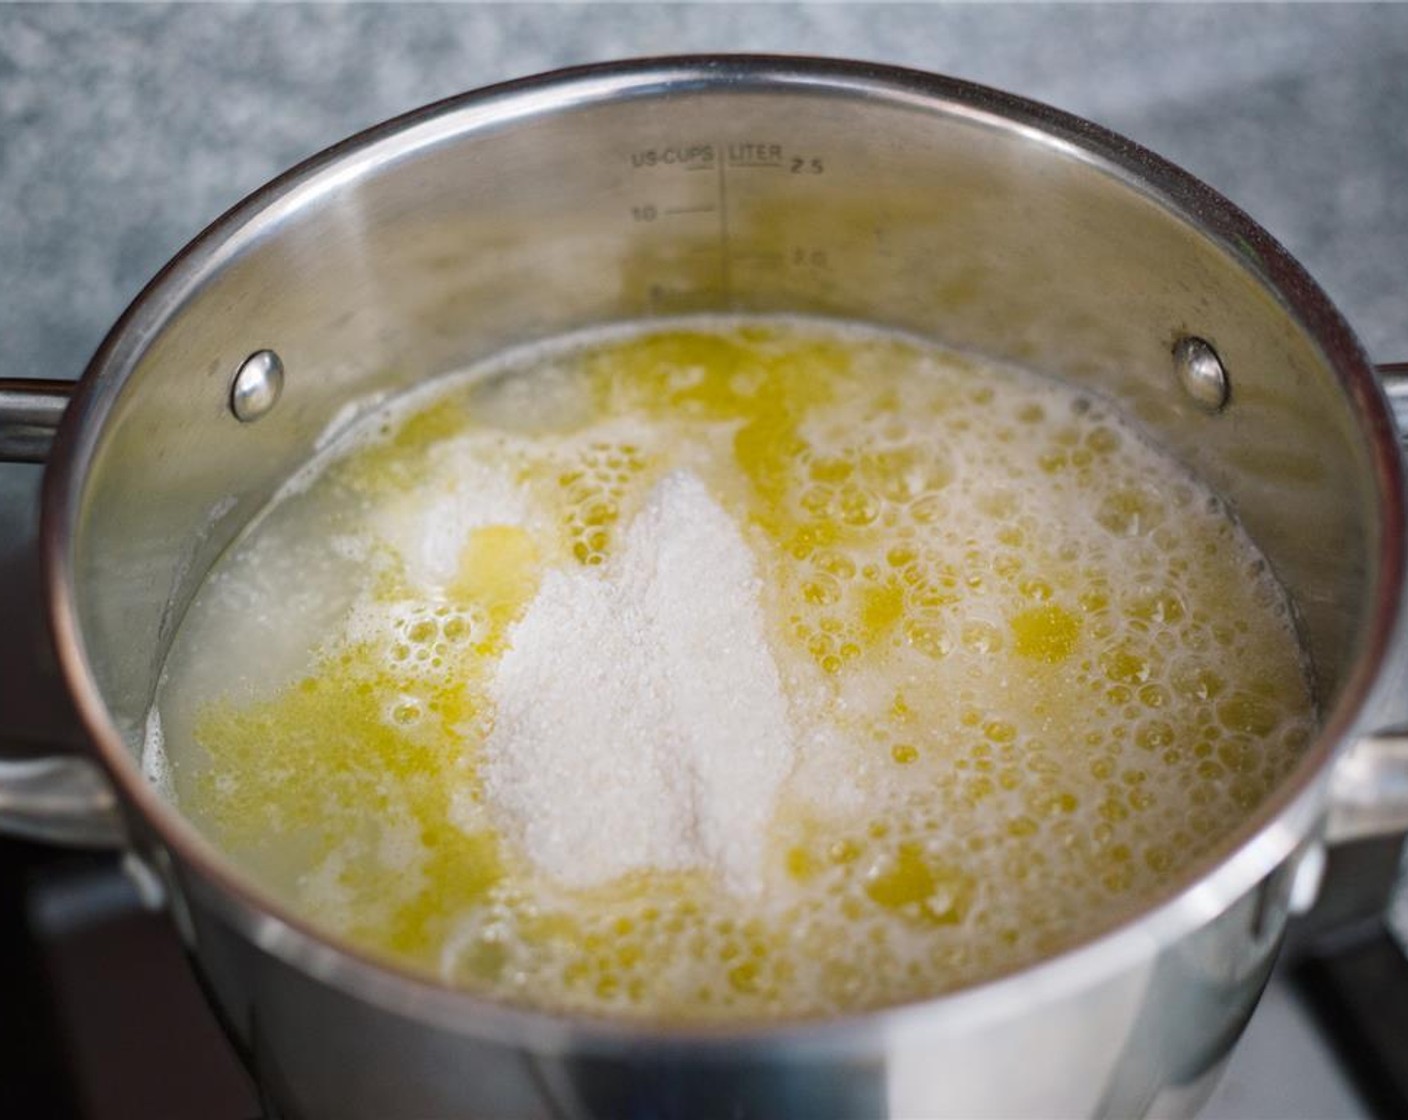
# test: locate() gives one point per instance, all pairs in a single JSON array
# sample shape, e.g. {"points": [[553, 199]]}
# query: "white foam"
{"points": [[468, 490], [156, 767]]}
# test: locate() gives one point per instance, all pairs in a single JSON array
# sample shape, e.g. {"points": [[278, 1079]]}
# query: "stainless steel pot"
{"points": [[704, 184]]}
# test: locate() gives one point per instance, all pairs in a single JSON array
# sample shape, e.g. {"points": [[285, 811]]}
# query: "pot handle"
{"points": [[1394, 377], [30, 412], [52, 798], [1369, 790], [59, 799], [1369, 785]]}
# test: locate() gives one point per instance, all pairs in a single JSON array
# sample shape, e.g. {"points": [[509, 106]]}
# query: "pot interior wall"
{"points": [[506, 220]]}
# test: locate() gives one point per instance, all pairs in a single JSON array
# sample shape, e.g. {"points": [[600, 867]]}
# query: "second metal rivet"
{"points": [[257, 385], [1201, 373]]}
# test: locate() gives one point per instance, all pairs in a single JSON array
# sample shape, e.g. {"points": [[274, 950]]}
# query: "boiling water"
{"points": [[1029, 671]]}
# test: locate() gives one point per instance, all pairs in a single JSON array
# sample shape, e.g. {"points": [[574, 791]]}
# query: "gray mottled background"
{"points": [[125, 129]]}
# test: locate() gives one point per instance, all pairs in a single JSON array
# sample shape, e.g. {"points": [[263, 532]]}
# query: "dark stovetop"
{"points": [[102, 1018]]}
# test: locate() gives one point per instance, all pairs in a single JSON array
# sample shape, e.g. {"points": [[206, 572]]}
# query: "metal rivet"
{"points": [[257, 385], [1201, 374]]}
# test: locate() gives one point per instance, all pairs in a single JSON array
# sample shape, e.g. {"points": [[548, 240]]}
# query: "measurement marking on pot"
{"points": [[764, 154], [725, 265], [694, 157], [721, 158], [663, 297]]}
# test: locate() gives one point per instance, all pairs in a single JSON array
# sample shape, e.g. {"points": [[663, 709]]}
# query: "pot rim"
{"points": [[1205, 889]]}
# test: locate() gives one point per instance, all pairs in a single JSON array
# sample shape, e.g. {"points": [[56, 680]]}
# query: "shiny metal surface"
{"points": [[1369, 786], [1369, 790], [743, 185], [1308, 878], [30, 412], [1151, 1040], [62, 800], [1201, 374], [1394, 377], [257, 386]]}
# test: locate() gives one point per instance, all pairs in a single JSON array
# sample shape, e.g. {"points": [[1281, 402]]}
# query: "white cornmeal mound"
{"points": [[640, 719]]}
